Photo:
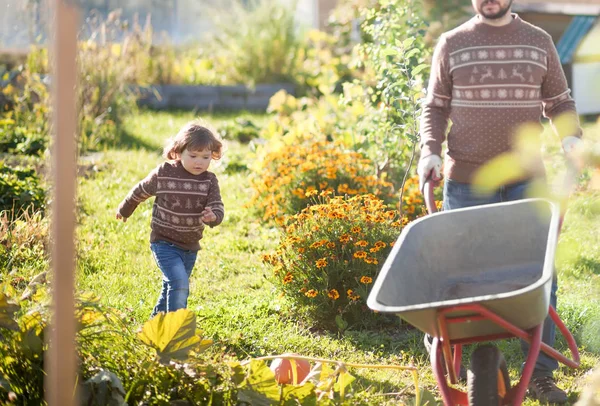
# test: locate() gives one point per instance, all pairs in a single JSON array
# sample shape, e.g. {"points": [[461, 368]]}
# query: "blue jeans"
{"points": [[176, 264], [459, 195]]}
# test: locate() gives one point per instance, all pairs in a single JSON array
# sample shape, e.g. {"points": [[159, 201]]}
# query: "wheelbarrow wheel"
{"points": [[487, 379]]}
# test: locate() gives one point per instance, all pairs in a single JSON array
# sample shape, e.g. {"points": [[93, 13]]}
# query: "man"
{"points": [[490, 77]]}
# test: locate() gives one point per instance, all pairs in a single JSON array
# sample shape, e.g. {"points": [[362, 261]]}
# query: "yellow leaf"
{"points": [[172, 334], [503, 169]]}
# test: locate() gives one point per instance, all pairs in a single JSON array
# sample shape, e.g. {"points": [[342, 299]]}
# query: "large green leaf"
{"points": [[427, 399], [7, 311], [300, 394], [172, 335], [259, 387], [343, 381], [103, 389]]}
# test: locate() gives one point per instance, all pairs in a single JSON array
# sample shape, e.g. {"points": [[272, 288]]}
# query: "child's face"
{"points": [[195, 162]]}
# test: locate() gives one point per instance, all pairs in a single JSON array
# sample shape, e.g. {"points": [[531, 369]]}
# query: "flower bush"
{"points": [[329, 256], [20, 189], [24, 113], [291, 176]]}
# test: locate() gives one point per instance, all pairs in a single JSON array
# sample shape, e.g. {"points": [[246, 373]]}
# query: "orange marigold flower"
{"points": [[349, 292], [361, 243], [330, 245], [345, 238], [310, 193], [360, 254], [311, 293], [316, 244], [301, 250], [288, 278], [333, 294], [355, 230], [380, 244], [366, 280], [321, 263]]}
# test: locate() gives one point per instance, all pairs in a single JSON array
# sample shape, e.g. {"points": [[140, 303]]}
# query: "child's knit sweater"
{"points": [[180, 198]]}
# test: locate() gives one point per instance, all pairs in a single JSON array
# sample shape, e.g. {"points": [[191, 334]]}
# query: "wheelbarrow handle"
{"points": [[429, 197]]}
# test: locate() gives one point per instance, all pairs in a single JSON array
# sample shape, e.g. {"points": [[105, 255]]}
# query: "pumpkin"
{"points": [[282, 368]]}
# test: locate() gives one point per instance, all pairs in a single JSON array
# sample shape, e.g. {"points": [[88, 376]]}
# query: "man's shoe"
{"points": [[545, 390]]}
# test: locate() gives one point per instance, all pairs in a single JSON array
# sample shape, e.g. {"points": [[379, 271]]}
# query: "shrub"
{"points": [[394, 58], [19, 189], [24, 113], [23, 241], [105, 64], [288, 178], [255, 40], [329, 256], [241, 130]]}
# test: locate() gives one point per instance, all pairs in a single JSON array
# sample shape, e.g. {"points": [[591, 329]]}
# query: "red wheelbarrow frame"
{"points": [[444, 349]]}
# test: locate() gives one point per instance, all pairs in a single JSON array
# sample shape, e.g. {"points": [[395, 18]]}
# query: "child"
{"points": [[187, 198]]}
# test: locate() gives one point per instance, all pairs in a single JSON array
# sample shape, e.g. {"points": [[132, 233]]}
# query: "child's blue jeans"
{"points": [[459, 195], [176, 265]]}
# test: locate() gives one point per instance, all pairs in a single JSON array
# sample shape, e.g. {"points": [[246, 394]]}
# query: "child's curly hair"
{"points": [[194, 136]]}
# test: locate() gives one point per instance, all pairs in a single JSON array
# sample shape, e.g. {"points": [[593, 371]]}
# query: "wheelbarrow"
{"points": [[472, 275]]}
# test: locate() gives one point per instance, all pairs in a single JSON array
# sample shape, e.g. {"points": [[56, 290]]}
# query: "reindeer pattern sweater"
{"points": [[180, 198], [488, 81]]}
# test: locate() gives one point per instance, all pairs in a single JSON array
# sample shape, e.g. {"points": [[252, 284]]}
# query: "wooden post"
{"points": [[61, 365]]}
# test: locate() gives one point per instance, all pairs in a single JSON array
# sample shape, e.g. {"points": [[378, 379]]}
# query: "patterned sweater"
{"points": [[180, 198], [488, 81]]}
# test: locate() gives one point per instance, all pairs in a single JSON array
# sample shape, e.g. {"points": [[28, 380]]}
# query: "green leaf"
{"points": [[7, 311], [104, 388], [390, 52], [427, 399], [259, 387], [171, 334], [411, 53], [344, 379], [418, 69], [300, 394], [408, 42], [341, 323], [4, 384]]}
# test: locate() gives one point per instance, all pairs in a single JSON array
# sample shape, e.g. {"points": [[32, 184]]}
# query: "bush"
{"points": [[105, 62], [24, 113], [329, 256], [241, 130], [20, 189], [255, 41], [288, 178], [23, 242]]}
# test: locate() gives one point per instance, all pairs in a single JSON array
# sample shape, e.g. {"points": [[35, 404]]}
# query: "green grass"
{"points": [[241, 310]]}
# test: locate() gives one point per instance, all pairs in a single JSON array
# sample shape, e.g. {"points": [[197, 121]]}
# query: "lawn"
{"points": [[242, 311]]}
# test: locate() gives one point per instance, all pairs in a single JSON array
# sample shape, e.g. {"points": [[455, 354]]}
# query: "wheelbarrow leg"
{"points": [[518, 392], [450, 395]]}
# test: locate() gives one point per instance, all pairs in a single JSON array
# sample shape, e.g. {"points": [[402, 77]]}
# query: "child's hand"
{"points": [[208, 216], [120, 217]]}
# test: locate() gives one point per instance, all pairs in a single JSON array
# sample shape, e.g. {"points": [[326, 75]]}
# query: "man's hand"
{"points": [[429, 167], [120, 217], [208, 216]]}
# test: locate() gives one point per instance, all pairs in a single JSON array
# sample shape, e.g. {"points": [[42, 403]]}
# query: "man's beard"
{"points": [[499, 14]]}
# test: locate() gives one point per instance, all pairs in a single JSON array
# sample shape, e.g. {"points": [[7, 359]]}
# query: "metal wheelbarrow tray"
{"points": [[500, 256]]}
